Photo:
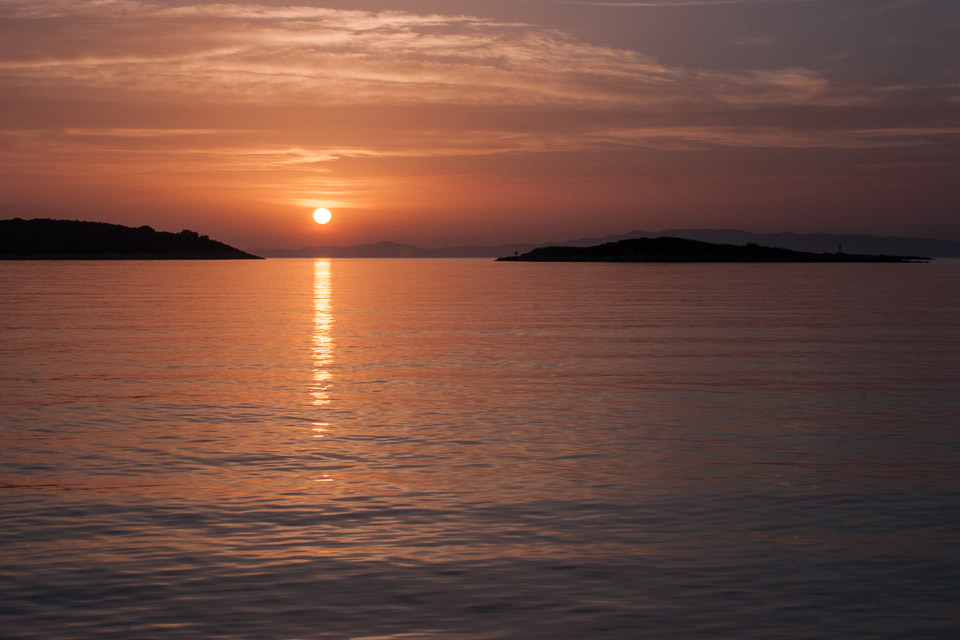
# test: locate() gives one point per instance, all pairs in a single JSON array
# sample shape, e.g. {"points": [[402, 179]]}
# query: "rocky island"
{"points": [[45, 239], [668, 249]]}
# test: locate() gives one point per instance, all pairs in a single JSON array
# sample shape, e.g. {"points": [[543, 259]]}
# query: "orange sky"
{"points": [[440, 123]]}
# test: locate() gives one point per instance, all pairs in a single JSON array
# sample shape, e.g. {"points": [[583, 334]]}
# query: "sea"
{"points": [[474, 450]]}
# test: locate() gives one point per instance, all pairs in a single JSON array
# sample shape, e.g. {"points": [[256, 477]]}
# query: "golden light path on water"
{"points": [[322, 344]]}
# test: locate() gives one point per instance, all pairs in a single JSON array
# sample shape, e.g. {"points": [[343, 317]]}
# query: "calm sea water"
{"points": [[469, 449]]}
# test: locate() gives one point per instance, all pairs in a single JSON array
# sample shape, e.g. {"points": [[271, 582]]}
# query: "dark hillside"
{"points": [[668, 249], [45, 239]]}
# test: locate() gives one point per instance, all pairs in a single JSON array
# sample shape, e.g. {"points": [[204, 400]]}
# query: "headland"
{"points": [[46, 239], [668, 249]]}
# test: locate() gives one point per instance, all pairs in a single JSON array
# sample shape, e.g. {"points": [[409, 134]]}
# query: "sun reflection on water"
{"points": [[322, 340]]}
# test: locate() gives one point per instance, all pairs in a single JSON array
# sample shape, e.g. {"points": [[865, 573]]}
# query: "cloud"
{"points": [[679, 3], [252, 53], [215, 58], [755, 41]]}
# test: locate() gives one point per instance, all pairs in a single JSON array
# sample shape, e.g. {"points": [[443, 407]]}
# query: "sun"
{"points": [[322, 216]]}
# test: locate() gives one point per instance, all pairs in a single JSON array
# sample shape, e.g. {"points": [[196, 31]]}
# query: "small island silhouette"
{"points": [[669, 249], [46, 239]]}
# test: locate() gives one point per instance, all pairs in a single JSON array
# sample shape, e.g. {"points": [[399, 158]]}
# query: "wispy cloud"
{"points": [[754, 41], [247, 52], [679, 3], [218, 57]]}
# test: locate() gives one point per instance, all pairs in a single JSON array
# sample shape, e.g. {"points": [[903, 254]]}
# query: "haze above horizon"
{"points": [[449, 123]]}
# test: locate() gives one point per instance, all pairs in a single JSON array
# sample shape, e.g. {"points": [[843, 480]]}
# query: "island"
{"points": [[669, 249], [46, 239]]}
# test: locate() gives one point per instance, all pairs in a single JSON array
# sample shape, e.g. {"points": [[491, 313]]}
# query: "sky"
{"points": [[446, 122]]}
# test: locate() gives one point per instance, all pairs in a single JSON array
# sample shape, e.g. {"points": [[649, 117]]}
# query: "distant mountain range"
{"points": [[811, 242], [45, 239]]}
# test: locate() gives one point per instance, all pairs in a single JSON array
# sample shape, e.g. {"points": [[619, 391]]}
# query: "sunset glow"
{"points": [[485, 123], [450, 319]]}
